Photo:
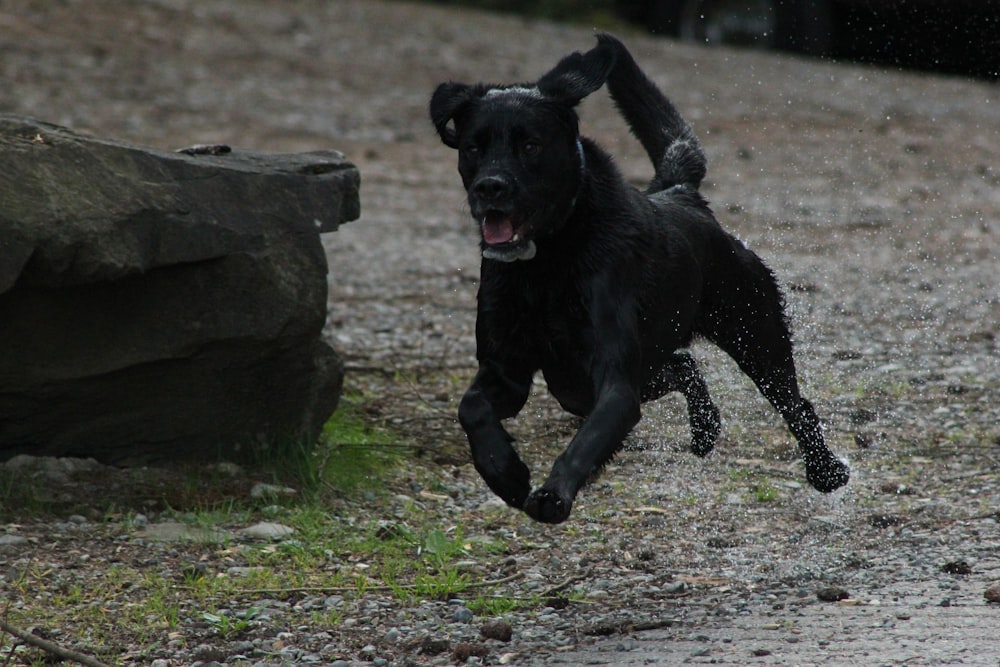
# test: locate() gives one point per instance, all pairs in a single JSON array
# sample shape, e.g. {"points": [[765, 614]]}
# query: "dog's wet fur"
{"points": [[602, 287]]}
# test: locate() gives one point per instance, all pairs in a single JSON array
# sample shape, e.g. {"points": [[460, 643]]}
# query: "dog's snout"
{"points": [[492, 188]]}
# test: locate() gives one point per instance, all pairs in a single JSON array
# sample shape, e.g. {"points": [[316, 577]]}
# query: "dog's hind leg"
{"points": [[767, 360], [680, 373], [703, 416], [751, 328]]}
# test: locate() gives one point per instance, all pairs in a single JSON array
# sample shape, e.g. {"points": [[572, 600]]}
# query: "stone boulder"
{"points": [[158, 305]]}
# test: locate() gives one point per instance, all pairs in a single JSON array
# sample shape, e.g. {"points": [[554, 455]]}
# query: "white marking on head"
{"points": [[514, 90]]}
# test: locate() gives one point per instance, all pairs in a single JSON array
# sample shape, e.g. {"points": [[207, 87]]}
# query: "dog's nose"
{"points": [[491, 188]]}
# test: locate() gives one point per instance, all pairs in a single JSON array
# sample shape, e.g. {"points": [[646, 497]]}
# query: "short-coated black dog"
{"points": [[602, 287]]}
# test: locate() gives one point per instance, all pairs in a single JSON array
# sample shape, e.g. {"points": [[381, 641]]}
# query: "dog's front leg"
{"points": [[492, 397], [615, 414], [614, 372]]}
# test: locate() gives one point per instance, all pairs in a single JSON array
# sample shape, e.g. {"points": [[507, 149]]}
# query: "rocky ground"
{"points": [[874, 195]]}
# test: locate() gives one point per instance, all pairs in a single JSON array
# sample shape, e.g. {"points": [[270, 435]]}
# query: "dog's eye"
{"points": [[471, 150], [531, 148]]}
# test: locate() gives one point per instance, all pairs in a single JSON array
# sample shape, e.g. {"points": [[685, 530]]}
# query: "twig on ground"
{"points": [[439, 415], [565, 583], [626, 627], [50, 647]]}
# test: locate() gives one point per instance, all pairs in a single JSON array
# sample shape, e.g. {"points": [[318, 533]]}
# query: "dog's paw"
{"points": [[513, 485], [705, 427], [502, 470], [548, 506], [827, 475]]}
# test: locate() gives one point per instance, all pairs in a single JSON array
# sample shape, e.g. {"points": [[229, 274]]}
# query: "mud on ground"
{"points": [[874, 195]]}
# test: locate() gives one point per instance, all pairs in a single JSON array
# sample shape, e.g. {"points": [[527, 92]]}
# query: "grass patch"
{"points": [[498, 605], [191, 592], [352, 453], [765, 492]]}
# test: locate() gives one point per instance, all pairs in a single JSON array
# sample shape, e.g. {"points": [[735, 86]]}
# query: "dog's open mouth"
{"points": [[505, 240]]}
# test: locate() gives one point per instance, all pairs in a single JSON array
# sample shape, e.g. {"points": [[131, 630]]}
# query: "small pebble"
{"points": [[992, 594], [832, 594], [267, 530], [430, 646], [462, 615], [884, 520], [959, 567], [12, 540], [466, 651], [499, 630]]}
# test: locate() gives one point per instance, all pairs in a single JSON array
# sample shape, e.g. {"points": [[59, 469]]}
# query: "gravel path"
{"points": [[874, 195]]}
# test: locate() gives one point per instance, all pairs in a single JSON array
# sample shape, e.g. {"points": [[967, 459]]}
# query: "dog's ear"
{"points": [[579, 74], [449, 101]]}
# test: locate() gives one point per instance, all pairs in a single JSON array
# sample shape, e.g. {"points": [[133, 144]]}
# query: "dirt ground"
{"points": [[874, 195]]}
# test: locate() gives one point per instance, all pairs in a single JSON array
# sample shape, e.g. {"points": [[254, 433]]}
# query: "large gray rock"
{"points": [[158, 305]]}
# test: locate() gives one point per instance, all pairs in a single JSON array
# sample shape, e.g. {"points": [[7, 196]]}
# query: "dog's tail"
{"points": [[671, 144]]}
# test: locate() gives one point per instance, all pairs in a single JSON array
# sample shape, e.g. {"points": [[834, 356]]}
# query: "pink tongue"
{"points": [[497, 229]]}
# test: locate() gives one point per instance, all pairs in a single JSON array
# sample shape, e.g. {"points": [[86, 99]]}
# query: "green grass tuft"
{"points": [[352, 453]]}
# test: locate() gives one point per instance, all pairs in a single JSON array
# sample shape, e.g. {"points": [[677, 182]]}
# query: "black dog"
{"points": [[600, 286]]}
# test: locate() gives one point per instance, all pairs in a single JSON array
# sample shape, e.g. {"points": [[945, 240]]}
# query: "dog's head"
{"points": [[519, 151]]}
